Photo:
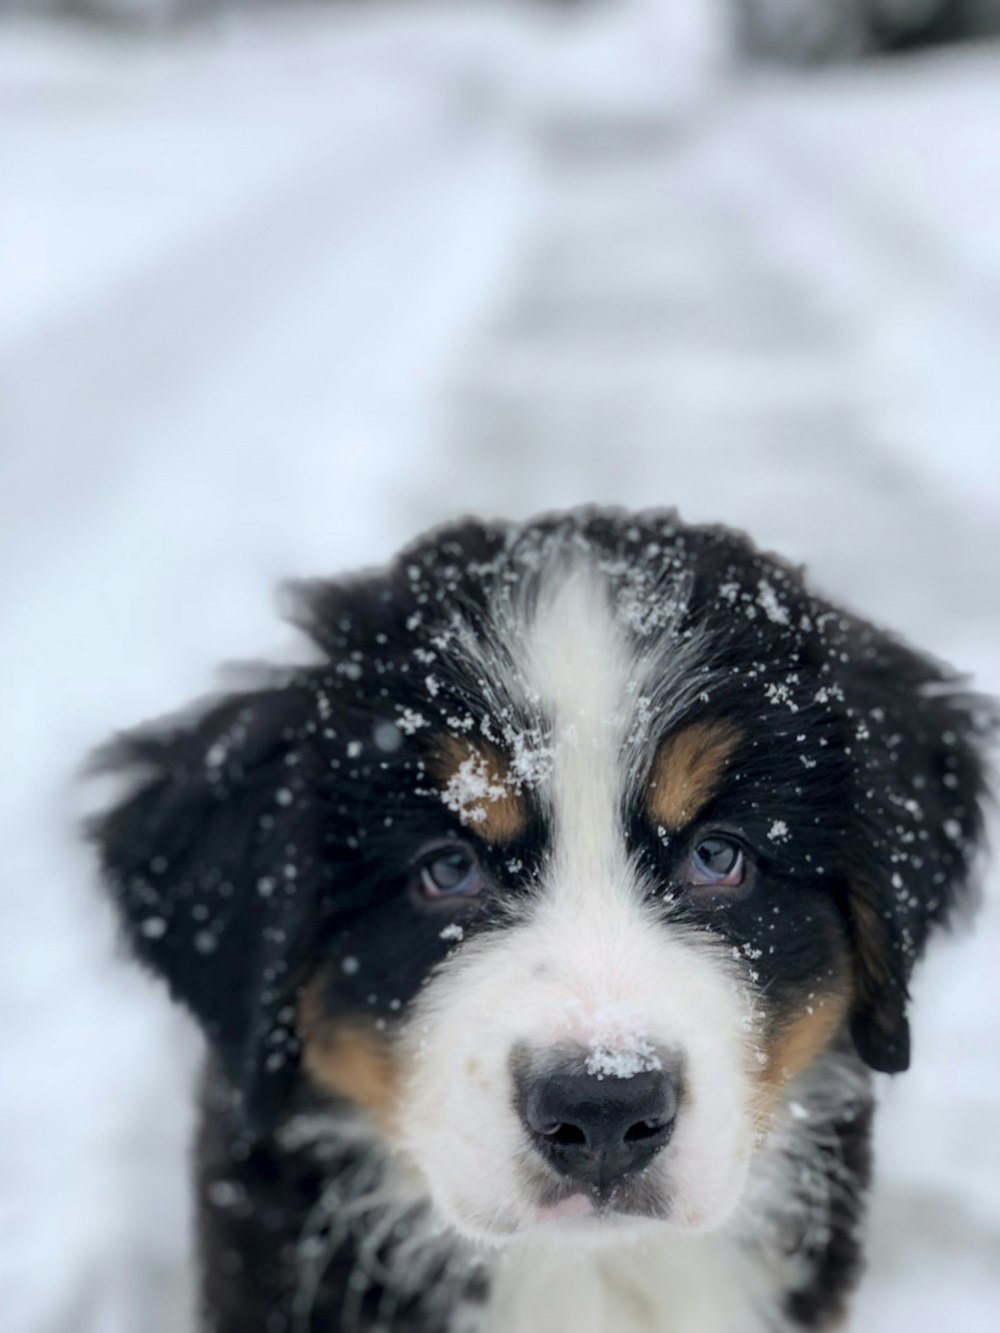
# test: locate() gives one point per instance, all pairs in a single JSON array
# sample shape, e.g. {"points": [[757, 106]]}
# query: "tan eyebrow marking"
{"points": [[478, 786], [687, 770]]}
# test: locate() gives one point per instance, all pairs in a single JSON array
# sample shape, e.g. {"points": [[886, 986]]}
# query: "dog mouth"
{"points": [[573, 1207], [602, 1207]]}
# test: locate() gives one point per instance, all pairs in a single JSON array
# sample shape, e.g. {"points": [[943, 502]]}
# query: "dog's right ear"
{"points": [[213, 865], [920, 742]]}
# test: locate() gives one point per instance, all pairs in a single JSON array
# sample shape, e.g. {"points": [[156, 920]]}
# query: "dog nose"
{"points": [[599, 1130]]}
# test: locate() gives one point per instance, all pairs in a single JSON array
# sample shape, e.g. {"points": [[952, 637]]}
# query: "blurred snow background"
{"points": [[281, 288]]}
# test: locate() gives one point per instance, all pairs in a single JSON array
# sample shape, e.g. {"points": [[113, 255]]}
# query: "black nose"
{"points": [[599, 1130]]}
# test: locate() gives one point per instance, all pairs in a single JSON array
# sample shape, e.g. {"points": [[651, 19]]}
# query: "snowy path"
{"points": [[286, 299]]}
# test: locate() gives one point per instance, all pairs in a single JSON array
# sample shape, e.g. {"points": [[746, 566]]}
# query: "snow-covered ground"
{"points": [[274, 296]]}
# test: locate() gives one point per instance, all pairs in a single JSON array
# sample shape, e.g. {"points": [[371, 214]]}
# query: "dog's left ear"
{"points": [[212, 866], [918, 741]]}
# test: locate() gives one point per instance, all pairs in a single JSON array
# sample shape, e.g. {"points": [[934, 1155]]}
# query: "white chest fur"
{"points": [[656, 1284]]}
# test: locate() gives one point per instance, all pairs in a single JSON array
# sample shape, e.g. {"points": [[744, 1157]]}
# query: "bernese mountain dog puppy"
{"points": [[545, 930]]}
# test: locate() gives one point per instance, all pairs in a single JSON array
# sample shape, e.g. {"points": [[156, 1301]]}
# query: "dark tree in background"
{"points": [[820, 31]]}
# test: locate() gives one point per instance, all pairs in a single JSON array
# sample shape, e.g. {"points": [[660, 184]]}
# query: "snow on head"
{"points": [[768, 601], [472, 787]]}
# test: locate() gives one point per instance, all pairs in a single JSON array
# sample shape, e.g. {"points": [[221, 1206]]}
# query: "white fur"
{"points": [[589, 961], [654, 1283]]}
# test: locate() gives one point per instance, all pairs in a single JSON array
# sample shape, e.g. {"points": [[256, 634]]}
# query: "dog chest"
{"points": [[677, 1286]]}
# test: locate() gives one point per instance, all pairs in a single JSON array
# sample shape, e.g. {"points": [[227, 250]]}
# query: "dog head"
{"points": [[584, 839]]}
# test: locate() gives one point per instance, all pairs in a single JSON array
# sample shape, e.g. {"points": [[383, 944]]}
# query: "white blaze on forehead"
{"points": [[580, 693], [582, 671]]}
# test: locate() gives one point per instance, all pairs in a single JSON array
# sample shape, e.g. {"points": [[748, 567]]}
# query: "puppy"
{"points": [[545, 933]]}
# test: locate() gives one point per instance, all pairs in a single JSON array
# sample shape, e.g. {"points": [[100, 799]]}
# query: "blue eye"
{"points": [[718, 861], [450, 872]]}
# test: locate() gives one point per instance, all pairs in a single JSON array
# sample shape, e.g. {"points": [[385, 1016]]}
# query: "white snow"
{"points": [[471, 788], [410, 720], [387, 736], [280, 293], [770, 603], [612, 1034], [622, 1061]]}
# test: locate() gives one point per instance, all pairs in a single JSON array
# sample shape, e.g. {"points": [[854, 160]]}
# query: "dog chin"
{"points": [[574, 1219]]}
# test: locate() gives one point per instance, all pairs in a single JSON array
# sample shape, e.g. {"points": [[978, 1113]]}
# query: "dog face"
{"points": [[583, 841]]}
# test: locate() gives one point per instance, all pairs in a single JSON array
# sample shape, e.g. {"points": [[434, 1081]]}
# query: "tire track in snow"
{"points": [[71, 395]]}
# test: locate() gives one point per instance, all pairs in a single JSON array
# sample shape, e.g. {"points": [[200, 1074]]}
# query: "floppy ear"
{"points": [[212, 865], [918, 741]]}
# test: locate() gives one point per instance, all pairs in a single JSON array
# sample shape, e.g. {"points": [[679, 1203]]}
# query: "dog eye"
{"points": [[717, 861], [450, 872]]}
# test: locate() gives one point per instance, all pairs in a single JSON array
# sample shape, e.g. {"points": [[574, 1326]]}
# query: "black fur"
{"points": [[254, 1195], [835, 1256]]}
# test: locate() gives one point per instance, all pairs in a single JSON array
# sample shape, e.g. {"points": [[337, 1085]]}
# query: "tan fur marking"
{"points": [[349, 1059], [687, 770], [497, 812], [807, 1036], [799, 1042]]}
